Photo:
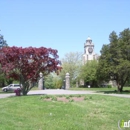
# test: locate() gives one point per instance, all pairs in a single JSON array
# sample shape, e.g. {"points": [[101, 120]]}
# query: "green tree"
{"points": [[53, 81], [71, 64], [3, 43], [114, 62], [89, 73], [58, 83], [103, 69], [48, 82]]}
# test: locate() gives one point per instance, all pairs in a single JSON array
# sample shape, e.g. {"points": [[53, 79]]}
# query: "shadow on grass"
{"points": [[34, 95], [114, 92], [28, 95]]}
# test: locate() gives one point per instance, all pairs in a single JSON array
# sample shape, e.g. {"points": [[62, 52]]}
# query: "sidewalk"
{"points": [[63, 92], [59, 91], [7, 95]]}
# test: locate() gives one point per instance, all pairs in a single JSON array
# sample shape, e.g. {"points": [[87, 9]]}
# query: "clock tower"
{"points": [[89, 51]]}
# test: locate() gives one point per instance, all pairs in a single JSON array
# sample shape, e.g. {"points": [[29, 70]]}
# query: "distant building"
{"points": [[89, 53]]}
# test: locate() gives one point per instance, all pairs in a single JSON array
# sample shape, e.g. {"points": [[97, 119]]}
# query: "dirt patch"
{"points": [[78, 98], [65, 99], [47, 99]]}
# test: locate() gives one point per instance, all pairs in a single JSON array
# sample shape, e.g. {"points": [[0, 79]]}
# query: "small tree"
{"points": [[25, 64], [89, 73], [58, 82], [52, 81], [48, 82], [3, 43]]}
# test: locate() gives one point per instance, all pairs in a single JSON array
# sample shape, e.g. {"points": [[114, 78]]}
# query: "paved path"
{"points": [[6, 95], [60, 91]]}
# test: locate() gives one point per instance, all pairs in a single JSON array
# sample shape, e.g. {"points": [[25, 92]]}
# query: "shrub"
{"points": [[71, 100], [67, 97], [78, 95], [60, 95], [85, 98], [71, 96], [46, 96], [90, 97], [109, 86], [54, 98]]}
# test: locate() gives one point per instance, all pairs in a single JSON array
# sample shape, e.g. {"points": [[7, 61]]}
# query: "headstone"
{"points": [[67, 81], [40, 82]]}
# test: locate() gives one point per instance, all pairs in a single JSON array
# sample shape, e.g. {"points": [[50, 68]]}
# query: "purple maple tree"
{"points": [[25, 64]]}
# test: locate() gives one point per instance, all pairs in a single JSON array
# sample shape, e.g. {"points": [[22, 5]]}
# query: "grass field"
{"points": [[126, 90], [97, 112]]}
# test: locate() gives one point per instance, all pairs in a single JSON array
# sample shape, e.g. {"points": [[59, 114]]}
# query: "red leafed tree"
{"points": [[25, 64]]}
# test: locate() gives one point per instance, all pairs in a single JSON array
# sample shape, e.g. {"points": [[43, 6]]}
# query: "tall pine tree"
{"points": [[115, 59]]}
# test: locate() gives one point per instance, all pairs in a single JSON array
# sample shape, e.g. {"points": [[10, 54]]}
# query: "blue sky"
{"points": [[62, 24]]}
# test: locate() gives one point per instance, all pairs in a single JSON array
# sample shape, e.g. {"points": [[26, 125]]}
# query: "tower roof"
{"points": [[88, 41], [89, 38]]}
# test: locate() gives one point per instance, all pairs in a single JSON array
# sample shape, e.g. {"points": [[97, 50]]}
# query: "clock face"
{"points": [[90, 49]]}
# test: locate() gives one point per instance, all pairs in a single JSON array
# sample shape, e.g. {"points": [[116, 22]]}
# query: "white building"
{"points": [[89, 53]]}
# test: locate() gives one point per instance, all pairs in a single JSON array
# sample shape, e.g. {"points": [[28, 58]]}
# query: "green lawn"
{"points": [[97, 112], [126, 90]]}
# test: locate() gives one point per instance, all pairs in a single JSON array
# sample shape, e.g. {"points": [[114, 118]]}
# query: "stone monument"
{"points": [[40, 82], [67, 79]]}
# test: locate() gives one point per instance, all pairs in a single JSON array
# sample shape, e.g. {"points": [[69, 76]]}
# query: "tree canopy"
{"points": [[114, 62], [89, 73], [71, 64], [53, 81], [25, 64]]}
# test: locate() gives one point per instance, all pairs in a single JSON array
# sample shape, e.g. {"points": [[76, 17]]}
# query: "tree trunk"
{"points": [[120, 88], [24, 89], [24, 92]]}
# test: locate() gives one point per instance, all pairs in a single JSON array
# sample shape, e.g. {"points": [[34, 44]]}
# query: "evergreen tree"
{"points": [[114, 62]]}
